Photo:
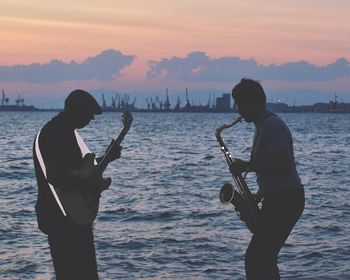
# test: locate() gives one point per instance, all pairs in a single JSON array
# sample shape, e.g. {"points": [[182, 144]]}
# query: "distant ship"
{"points": [[19, 106], [278, 107], [333, 106]]}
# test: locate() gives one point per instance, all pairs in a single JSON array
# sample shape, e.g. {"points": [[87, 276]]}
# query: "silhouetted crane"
{"points": [[103, 101], [178, 103], [188, 104], [167, 102]]}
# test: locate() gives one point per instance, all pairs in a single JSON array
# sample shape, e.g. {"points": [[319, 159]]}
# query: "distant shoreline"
{"points": [[331, 107], [175, 111], [221, 105]]}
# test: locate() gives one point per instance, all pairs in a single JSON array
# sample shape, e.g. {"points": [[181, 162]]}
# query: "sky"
{"points": [[299, 50]]}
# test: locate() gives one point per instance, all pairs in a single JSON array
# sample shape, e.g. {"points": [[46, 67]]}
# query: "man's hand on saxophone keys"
{"points": [[240, 166]]}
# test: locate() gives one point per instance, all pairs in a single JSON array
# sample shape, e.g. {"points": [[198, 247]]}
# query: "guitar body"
{"points": [[81, 207], [82, 203]]}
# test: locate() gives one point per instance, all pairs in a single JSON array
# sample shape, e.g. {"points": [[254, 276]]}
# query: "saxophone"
{"points": [[238, 194]]}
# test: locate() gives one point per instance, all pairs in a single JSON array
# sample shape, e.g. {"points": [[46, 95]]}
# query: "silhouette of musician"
{"points": [[58, 155], [272, 159]]}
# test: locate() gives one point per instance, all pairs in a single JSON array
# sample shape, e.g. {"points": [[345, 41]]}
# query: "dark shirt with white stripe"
{"points": [[61, 154]]}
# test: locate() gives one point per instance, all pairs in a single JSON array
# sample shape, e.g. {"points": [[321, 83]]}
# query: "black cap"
{"points": [[82, 101]]}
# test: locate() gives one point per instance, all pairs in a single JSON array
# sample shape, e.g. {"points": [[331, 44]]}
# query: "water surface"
{"points": [[161, 218]]}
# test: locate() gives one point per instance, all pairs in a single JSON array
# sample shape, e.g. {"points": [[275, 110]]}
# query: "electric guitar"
{"points": [[81, 204]]}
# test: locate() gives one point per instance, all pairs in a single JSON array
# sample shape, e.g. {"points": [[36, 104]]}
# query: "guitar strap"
{"points": [[43, 169], [84, 150]]}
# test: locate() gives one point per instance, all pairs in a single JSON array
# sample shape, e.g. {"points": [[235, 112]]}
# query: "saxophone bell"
{"points": [[229, 195]]}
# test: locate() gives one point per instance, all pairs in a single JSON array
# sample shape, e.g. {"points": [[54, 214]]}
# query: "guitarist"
{"points": [[71, 246]]}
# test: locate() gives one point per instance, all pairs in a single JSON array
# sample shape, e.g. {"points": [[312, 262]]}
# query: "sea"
{"points": [[162, 218]]}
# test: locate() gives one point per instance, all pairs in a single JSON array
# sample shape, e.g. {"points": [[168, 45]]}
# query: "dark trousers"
{"points": [[73, 254], [280, 212]]}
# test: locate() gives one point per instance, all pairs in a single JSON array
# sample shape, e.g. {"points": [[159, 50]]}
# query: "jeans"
{"points": [[280, 212], [73, 254]]}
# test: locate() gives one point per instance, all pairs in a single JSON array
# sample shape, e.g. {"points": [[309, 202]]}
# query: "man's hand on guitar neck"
{"points": [[112, 153]]}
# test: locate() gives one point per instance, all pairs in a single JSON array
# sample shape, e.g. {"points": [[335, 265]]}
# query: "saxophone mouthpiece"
{"points": [[224, 126]]}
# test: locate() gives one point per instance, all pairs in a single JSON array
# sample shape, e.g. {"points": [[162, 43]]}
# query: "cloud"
{"points": [[198, 67], [101, 67]]}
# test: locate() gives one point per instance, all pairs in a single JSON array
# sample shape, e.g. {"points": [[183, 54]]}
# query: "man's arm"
{"points": [[57, 161], [278, 159], [59, 176], [114, 152], [280, 164]]}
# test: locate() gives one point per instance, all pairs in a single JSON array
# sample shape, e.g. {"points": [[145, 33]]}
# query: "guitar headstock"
{"points": [[127, 120]]}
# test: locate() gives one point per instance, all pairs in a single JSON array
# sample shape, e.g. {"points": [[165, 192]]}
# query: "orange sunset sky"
{"points": [[267, 37]]}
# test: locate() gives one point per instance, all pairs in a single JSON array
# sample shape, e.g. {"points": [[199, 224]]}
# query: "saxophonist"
{"points": [[272, 159]]}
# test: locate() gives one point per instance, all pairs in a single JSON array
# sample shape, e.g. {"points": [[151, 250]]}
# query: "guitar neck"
{"points": [[101, 166]]}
